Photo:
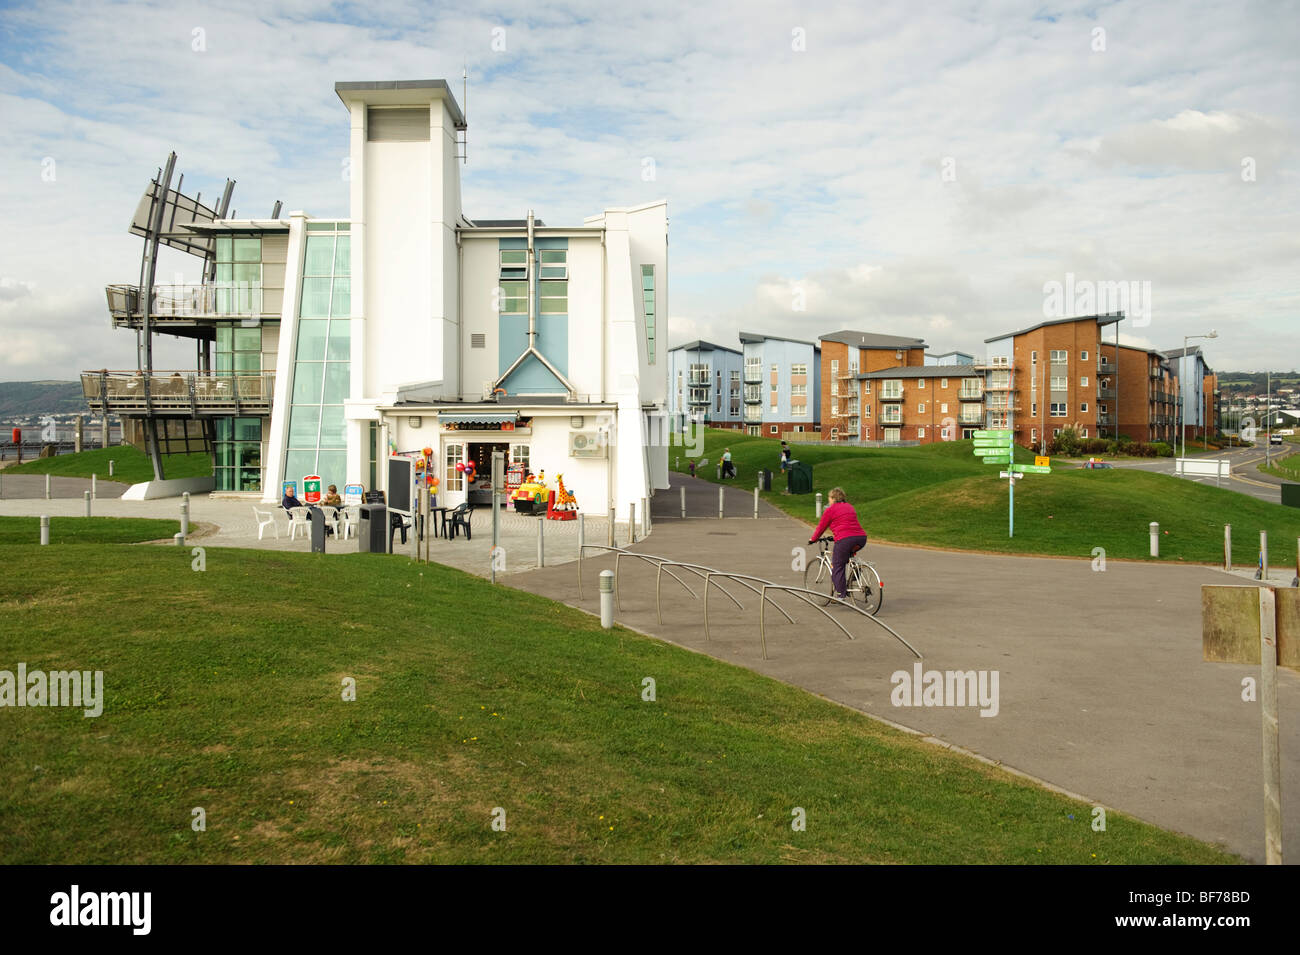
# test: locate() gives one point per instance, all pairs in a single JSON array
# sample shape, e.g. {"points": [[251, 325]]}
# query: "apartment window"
{"points": [[1083, 356], [943, 382], [239, 276], [452, 479], [920, 408], [1059, 409], [835, 407], [800, 369], [893, 435], [1083, 407], [799, 390], [967, 433], [1084, 434], [514, 264], [735, 383], [553, 298], [1033, 409], [920, 384], [920, 432], [648, 300], [1033, 358], [513, 297], [1000, 379], [798, 411], [1056, 432], [775, 408], [835, 376], [555, 264], [1083, 381], [1101, 409], [866, 411], [891, 388], [1060, 356], [1059, 383], [1033, 435], [773, 431], [943, 407], [866, 387]]}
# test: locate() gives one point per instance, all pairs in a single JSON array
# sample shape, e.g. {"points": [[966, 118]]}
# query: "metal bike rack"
{"points": [[803, 593], [743, 580]]}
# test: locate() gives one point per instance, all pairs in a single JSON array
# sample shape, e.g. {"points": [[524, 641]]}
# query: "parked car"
{"points": [[1094, 464], [1274, 439]]}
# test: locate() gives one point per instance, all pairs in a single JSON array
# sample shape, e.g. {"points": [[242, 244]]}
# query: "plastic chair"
{"points": [[331, 518], [298, 521], [265, 518], [458, 518], [351, 517]]}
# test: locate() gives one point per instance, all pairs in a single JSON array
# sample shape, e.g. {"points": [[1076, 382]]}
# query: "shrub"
{"points": [[1162, 449]]}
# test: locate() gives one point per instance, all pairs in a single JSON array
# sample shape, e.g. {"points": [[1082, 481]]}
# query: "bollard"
{"points": [[683, 500], [719, 472], [1227, 548], [86, 495], [1155, 539], [755, 503], [582, 533], [631, 523], [2, 485], [45, 530], [47, 487], [179, 538], [94, 486], [819, 505], [677, 464], [185, 518], [110, 467], [720, 493], [541, 542], [607, 598]]}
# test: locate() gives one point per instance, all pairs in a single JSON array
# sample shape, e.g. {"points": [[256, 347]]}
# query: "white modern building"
{"points": [[409, 325]]}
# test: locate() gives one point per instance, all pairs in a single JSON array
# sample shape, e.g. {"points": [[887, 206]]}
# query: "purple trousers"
{"points": [[844, 548]]}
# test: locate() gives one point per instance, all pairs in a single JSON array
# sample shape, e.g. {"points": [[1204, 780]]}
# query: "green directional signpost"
{"points": [[998, 447]]}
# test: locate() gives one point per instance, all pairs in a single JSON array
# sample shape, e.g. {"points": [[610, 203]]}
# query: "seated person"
{"points": [[332, 498], [290, 500]]}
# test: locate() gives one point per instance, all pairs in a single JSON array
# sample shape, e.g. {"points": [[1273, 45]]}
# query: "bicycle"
{"points": [[865, 587]]}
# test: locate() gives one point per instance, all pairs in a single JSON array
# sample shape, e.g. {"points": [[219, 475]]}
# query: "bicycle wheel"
{"points": [[816, 576], [867, 591]]}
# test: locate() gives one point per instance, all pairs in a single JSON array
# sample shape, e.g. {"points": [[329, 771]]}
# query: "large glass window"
{"points": [[648, 300], [553, 297], [238, 282], [322, 368], [238, 450]]}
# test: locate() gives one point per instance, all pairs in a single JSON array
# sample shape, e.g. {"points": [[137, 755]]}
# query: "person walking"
{"points": [[728, 469], [785, 455], [848, 534]]}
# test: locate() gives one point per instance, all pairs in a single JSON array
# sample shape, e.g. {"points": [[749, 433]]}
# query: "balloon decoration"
{"points": [[428, 453], [433, 482], [460, 466]]}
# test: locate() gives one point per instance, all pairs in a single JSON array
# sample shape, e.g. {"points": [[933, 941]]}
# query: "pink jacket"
{"points": [[843, 522]]}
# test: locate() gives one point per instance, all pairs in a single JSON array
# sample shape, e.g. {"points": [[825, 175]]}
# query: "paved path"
{"points": [[1102, 688]]}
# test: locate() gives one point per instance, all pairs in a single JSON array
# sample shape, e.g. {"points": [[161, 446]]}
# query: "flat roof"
{"points": [[1107, 319], [399, 93]]}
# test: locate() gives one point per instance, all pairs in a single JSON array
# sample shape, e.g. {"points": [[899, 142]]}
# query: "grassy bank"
{"points": [[130, 466], [223, 691], [940, 495], [86, 530]]}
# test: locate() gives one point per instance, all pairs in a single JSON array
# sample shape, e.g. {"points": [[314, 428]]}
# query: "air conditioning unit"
{"points": [[588, 444]]}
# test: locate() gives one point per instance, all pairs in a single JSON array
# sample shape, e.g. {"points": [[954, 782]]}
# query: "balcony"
{"points": [[753, 414], [1105, 391], [887, 394], [996, 384], [698, 400], [699, 379], [1105, 418], [970, 395], [967, 417], [992, 364], [178, 394], [179, 306], [753, 376]]}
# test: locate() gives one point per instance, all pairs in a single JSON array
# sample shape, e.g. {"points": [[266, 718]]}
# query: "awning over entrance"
{"points": [[483, 420]]}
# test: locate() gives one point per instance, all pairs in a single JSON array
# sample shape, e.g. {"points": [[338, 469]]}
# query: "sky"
{"points": [[924, 169]]}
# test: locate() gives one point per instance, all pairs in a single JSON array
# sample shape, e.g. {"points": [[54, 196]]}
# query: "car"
{"points": [[1094, 464], [1274, 439]]}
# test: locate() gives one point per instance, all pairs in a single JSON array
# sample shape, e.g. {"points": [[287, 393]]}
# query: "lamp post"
{"points": [[1182, 393]]}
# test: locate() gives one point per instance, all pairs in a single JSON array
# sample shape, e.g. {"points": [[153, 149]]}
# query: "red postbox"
{"points": [[18, 435]]}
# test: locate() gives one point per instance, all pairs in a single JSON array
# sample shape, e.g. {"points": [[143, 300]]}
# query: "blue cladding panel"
{"points": [[512, 243]]}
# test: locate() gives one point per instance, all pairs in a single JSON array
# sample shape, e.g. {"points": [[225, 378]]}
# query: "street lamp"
{"points": [[1182, 392]]}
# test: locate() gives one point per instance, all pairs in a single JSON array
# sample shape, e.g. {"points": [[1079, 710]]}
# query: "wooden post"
{"points": [[1269, 719]]}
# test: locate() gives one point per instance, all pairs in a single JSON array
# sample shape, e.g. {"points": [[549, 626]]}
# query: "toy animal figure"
{"points": [[564, 499]]}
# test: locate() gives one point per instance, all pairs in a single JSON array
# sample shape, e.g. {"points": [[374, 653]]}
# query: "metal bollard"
{"points": [[1227, 548], [1155, 539], [179, 538], [110, 467], [819, 505], [683, 500], [721, 490], [541, 542], [94, 485], [45, 530], [582, 533], [755, 503], [677, 463], [47, 487], [185, 518], [607, 598], [609, 524], [631, 523], [86, 495], [645, 518], [719, 472]]}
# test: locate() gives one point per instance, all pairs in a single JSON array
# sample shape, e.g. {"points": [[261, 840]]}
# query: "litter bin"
{"points": [[764, 479], [372, 529], [798, 478], [1291, 495], [316, 517]]}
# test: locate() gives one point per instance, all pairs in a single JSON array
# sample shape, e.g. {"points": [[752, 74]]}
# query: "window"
{"points": [[239, 350], [238, 285], [773, 431], [920, 408], [891, 388], [835, 376], [866, 411], [798, 411], [1033, 358], [648, 301], [920, 433], [943, 382], [1083, 381], [1033, 435], [892, 435], [1033, 409], [514, 264], [835, 407], [735, 383], [1056, 432], [518, 455], [799, 390], [1085, 430], [920, 384], [1059, 383], [1058, 409], [553, 298], [1083, 407], [943, 407], [866, 387], [453, 480], [775, 408], [512, 297], [967, 433], [555, 264], [238, 451], [800, 369], [1060, 356], [1083, 355], [1000, 379]]}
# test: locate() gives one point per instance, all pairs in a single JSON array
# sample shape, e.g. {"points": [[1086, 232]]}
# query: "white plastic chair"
{"points": [[331, 518], [351, 516], [298, 521], [264, 519]]}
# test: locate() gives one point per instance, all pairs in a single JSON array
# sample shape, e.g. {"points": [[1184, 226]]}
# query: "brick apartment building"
{"points": [[924, 404], [847, 358], [1049, 377], [1147, 400]]}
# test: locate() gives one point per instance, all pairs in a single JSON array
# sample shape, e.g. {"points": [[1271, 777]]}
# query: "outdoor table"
{"points": [[441, 517]]}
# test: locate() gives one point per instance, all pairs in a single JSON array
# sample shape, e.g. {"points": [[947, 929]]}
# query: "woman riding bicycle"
{"points": [[848, 534]]}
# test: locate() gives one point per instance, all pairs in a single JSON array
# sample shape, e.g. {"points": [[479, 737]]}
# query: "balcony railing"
{"points": [[967, 418], [185, 303], [700, 379], [1105, 391], [966, 395], [753, 376], [176, 393], [888, 394], [1106, 417]]}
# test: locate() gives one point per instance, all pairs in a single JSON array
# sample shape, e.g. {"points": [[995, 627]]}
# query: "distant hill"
{"points": [[21, 398]]}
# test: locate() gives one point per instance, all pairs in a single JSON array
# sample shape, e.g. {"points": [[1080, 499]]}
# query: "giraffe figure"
{"points": [[564, 499]]}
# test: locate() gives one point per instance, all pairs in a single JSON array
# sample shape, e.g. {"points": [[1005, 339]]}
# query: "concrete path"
{"points": [[1102, 688], [32, 487]]}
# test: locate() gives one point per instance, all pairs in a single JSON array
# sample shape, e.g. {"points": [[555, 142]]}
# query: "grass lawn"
{"points": [[130, 465], [940, 495], [1288, 469], [83, 530], [223, 691]]}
